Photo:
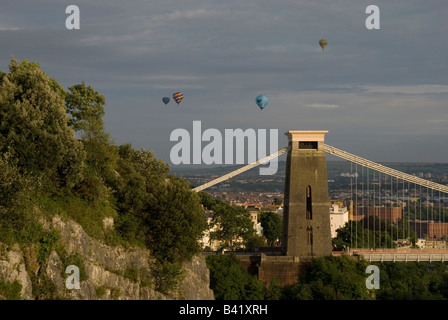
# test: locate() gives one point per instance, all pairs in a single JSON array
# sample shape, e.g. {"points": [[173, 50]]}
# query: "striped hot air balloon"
{"points": [[178, 96]]}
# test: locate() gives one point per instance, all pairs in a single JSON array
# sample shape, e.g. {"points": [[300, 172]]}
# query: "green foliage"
{"points": [[234, 226], [140, 275], [272, 224], [274, 291], [43, 288], [155, 209], [417, 212], [87, 214], [33, 126], [18, 223], [76, 260], [413, 281], [373, 232], [207, 200], [230, 282], [175, 221], [86, 108], [114, 292], [100, 291], [45, 170], [335, 278], [331, 278], [10, 290], [253, 241], [167, 276], [46, 246]]}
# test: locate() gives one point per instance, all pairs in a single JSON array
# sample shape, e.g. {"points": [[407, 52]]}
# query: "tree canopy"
{"points": [[33, 125], [272, 224], [46, 170]]}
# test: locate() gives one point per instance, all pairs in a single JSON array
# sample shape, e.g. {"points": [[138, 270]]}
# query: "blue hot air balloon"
{"points": [[166, 100], [261, 101]]}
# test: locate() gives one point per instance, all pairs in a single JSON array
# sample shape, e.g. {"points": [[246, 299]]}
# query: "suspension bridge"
{"points": [[389, 211]]}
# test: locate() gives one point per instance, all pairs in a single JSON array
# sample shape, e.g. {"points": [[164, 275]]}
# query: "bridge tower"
{"points": [[306, 214]]}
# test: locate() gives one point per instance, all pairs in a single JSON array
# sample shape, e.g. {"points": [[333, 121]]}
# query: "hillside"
{"points": [[70, 196], [106, 272]]}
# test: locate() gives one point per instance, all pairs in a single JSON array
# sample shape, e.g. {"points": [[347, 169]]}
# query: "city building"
{"points": [[430, 230], [214, 245], [389, 214], [206, 241], [254, 211], [339, 214]]}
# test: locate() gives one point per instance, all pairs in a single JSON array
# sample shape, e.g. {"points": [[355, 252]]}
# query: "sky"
{"points": [[382, 94]]}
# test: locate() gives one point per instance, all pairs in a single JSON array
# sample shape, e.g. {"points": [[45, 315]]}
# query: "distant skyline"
{"points": [[381, 94]]}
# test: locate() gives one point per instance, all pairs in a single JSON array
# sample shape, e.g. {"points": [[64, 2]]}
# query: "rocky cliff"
{"points": [[106, 272]]}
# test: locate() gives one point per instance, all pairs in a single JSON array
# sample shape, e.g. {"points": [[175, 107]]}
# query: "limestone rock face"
{"points": [[12, 268], [197, 274], [105, 272]]}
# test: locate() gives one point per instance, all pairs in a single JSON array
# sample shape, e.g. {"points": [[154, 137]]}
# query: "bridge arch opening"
{"points": [[309, 204]]}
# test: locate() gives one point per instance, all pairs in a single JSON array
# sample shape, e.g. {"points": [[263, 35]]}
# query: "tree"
{"points": [[332, 278], [373, 232], [155, 209], [272, 226], [86, 107], [33, 125], [17, 221], [207, 200], [175, 221], [413, 281], [230, 282], [234, 226]]}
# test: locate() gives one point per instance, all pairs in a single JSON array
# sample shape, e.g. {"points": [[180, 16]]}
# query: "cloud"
{"points": [[183, 14], [409, 89], [390, 89], [322, 106], [272, 49], [9, 28], [222, 54]]}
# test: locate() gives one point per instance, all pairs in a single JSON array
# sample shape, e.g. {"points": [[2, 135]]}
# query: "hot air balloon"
{"points": [[261, 101], [178, 96], [323, 43], [166, 100]]}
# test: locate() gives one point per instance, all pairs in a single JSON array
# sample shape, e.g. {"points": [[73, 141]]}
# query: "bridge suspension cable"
{"points": [[389, 171], [341, 154], [241, 170], [379, 196]]}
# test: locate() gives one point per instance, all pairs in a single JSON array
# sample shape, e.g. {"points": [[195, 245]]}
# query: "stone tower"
{"points": [[306, 214]]}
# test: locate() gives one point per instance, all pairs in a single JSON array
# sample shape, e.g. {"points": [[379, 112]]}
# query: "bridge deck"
{"points": [[402, 255]]}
